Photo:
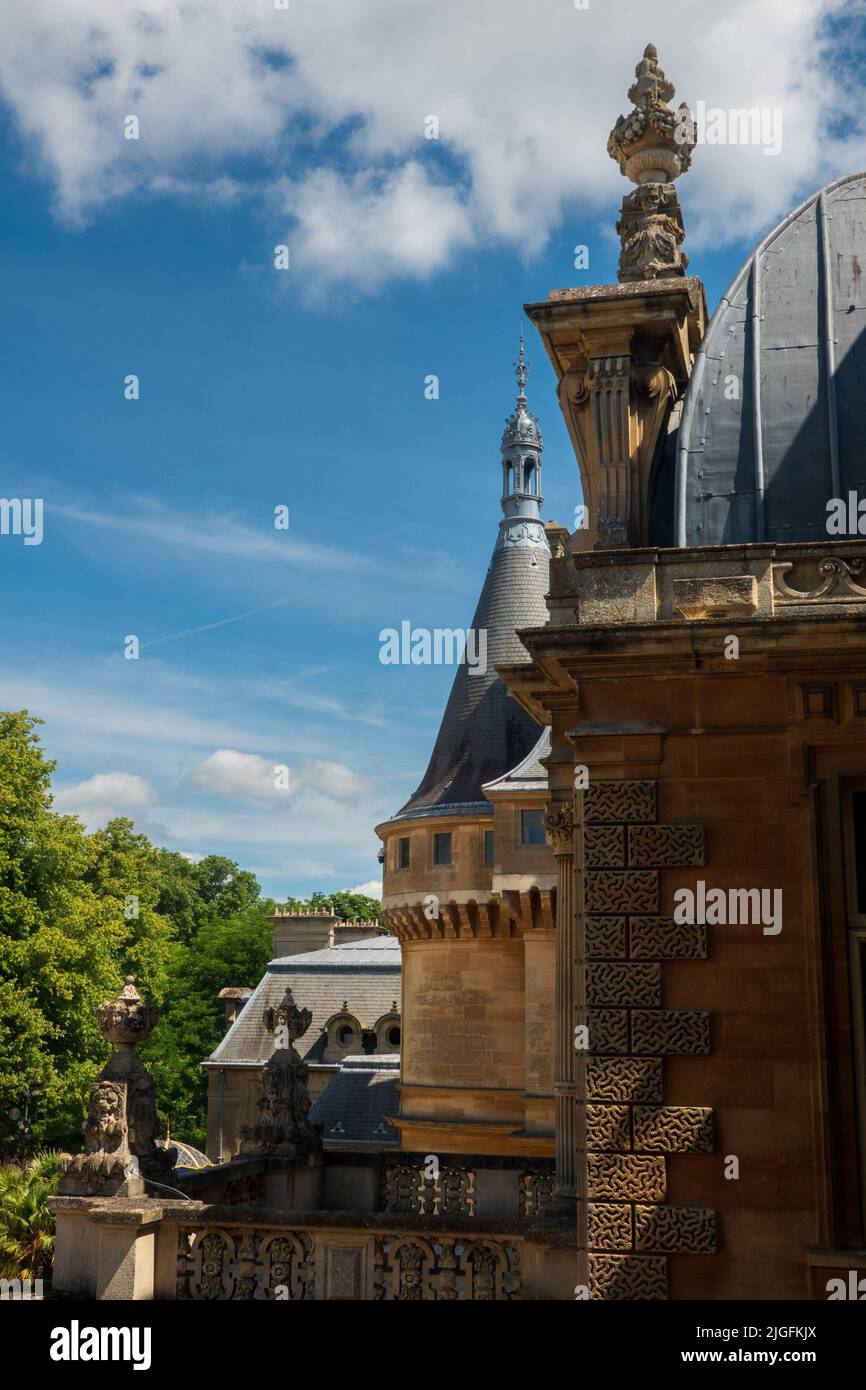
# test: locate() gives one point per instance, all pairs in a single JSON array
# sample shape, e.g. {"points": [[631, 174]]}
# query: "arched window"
{"points": [[509, 479], [529, 476]]}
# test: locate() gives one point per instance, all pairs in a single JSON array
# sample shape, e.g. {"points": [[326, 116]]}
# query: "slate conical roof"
{"points": [[484, 732]]}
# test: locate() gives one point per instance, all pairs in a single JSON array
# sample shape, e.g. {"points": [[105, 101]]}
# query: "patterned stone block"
{"points": [[619, 801], [609, 1226], [665, 846], [608, 1128], [669, 1032], [661, 938], [606, 938], [608, 1030], [621, 1278], [673, 1129], [624, 985], [676, 1230], [604, 846], [614, 1079], [625, 1178], [609, 891]]}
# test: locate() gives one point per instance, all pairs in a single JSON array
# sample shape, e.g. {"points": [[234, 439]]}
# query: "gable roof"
{"points": [[364, 973]]}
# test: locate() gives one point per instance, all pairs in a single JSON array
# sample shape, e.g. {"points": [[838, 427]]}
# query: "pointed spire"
{"points": [[520, 371], [521, 470]]}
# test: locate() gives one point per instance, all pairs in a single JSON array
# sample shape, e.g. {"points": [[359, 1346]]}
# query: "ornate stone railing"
{"points": [[230, 1262], [411, 1189]]}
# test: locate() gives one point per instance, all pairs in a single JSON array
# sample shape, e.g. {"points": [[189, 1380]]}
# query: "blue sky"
{"points": [[306, 387]]}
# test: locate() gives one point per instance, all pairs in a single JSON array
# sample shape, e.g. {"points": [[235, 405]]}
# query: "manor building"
{"points": [[598, 1092]]}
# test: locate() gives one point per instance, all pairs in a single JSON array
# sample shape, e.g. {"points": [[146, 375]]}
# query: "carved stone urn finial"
{"points": [[283, 1127], [120, 1145], [652, 146]]}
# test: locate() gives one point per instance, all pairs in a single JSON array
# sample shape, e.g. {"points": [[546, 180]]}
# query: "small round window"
{"points": [[345, 1034], [393, 1036]]}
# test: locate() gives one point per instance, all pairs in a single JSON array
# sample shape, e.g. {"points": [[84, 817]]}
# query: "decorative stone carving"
{"points": [[283, 1127], [559, 824], [623, 985], [409, 1269], [604, 846], [661, 938], [107, 1167], [652, 146], [668, 1032], [608, 1128], [817, 579], [616, 1278], [407, 1190], [610, 1226], [536, 1193], [665, 846], [624, 1078], [608, 1031], [680, 1129], [675, 1230], [619, 801], [120, 1144], [606, 938], [222, 1264], [626, 1177], [611, 892], [651, 233]]}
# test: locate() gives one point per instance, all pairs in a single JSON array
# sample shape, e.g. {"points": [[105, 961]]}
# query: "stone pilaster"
{"points": [[559, 823]]}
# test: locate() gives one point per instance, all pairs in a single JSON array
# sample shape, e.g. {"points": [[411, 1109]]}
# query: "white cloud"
{"points": [[330, 99], [230, 773], [335, 780], [107, 794], [252, 778], [373, 889]]}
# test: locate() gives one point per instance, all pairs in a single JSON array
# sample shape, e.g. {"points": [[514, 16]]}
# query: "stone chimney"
{"points": [[297, 932]]}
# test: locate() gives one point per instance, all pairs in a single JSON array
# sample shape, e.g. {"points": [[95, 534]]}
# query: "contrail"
{"points": [[207, 627]]}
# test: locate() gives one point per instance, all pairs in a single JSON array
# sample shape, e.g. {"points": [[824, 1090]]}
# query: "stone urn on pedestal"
{"points": [[120, 1148]]}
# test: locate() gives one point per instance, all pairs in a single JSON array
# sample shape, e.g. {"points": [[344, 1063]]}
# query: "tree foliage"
{"points": [[79, 912]]}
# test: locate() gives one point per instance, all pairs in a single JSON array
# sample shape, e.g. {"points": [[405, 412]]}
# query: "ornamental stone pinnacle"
{"points": [[652, 146]]}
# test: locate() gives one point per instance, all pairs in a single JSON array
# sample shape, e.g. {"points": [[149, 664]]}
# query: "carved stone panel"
{"points": [[676, 1129], [608, 1030], [618, 1278], [604, 846], [609, 891], [675, 1230], [606, 938], [665, 846], [343, 1272], [623, 985], [624, 1078], [661, 938], [608, 1128], [626, 1177], [610, 1226], [619, 801], [667, 1032]]}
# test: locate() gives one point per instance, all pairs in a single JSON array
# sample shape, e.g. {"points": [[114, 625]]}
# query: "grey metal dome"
{"points": [[775, 414]]}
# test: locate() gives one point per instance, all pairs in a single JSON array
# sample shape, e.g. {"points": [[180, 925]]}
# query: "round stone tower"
{"points": [[468, 875]]}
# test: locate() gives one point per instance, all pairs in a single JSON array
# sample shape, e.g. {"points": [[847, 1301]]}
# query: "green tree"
{"points": [[65, 943]]}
